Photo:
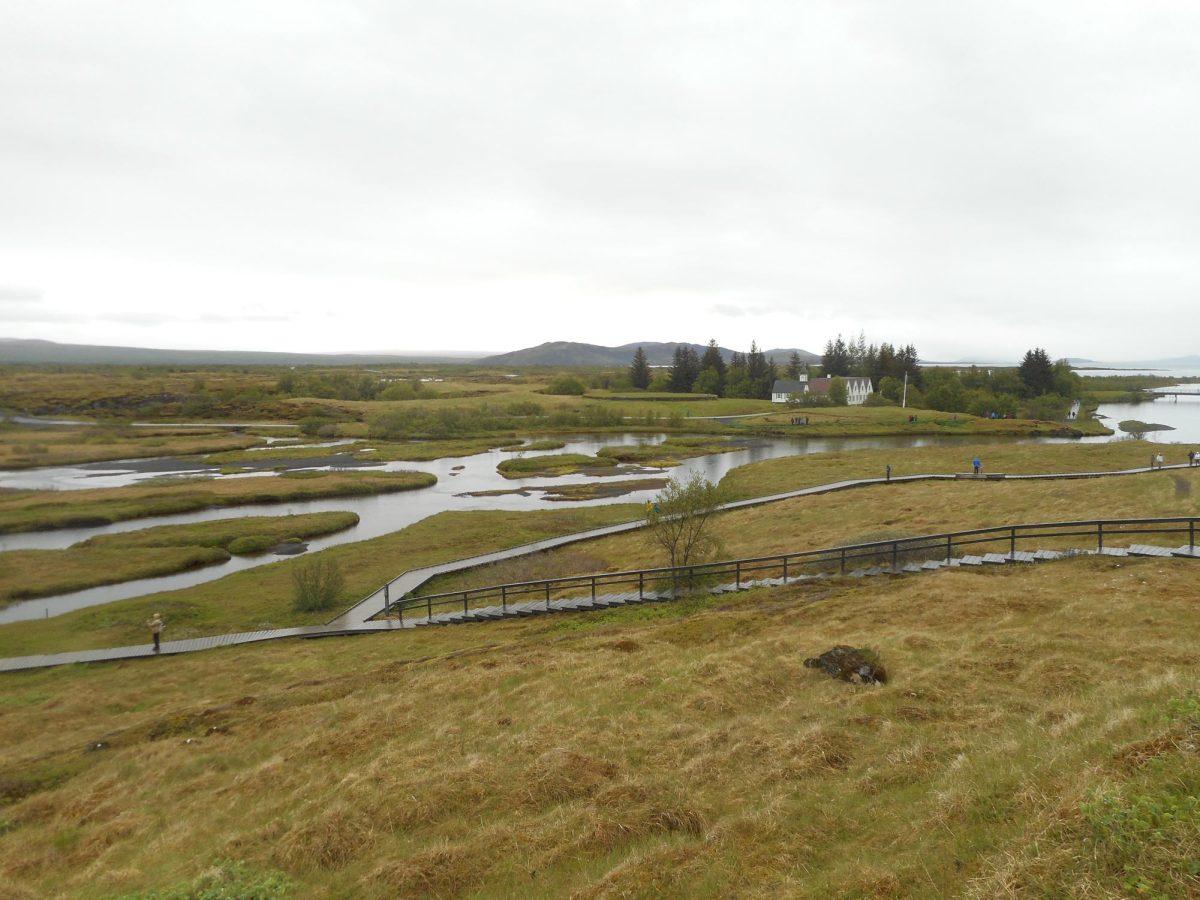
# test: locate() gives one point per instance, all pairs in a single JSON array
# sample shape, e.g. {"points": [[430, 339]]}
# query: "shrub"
{"points": [[566, 387], [316, 585]]}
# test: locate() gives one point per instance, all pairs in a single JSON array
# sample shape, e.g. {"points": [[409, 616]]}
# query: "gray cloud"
{"points": [[20, 294], [970, 177]]}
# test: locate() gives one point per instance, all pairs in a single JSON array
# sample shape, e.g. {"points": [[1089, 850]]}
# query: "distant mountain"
{"points": [[571, 353], [1174, 362], [19, 350]]}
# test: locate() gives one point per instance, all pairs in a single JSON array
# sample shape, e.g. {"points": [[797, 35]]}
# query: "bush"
{"points": [[571, 387], [316, 584], [317, 426]]}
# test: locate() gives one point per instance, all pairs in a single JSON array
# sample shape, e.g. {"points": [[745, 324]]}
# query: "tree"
{"points": [[639, 370], [839, 395], [707, 382], [795, 365], [712, 359], [680, 517], [737, 382], [760, 372], [684, 368], [836, 359], [1037, 373], [317, 584]]}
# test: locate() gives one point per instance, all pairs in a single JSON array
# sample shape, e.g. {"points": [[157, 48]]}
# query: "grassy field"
{"points": [[886, 420], [45, 510], [874, 513], [793, 472], [151, 552], [22, 448], [1037, 737], [262, 597]]}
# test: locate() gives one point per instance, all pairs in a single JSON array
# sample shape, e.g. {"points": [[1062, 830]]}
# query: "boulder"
{"points": [[858, 666]]}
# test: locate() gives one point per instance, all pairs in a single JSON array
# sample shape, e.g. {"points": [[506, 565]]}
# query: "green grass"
{"points": [[789, 473], [864, 421], [551, 465], [1134, 426], [262, 597], [46, 510], [152, 552], [24, 447], [669, 452]]}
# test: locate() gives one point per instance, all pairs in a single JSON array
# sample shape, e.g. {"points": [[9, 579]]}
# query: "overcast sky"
{"points": [[973, 178]]}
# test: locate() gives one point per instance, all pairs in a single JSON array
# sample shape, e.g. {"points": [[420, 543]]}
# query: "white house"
{"points": [[782, 391], [857, 389]]}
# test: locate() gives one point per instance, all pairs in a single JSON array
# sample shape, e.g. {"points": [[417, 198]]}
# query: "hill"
{"points": [[570, 353], [18, 350]]}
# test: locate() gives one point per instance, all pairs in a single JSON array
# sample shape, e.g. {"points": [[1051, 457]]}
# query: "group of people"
{"points": [[1156, 461]]}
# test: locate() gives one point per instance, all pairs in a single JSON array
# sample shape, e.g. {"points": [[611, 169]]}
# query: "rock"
{"points": [[850, 664]]}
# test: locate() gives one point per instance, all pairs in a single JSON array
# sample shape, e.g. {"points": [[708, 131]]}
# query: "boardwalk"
{"points": [[357, 619]]}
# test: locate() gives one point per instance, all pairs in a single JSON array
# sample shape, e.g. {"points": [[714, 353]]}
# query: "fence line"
{"points": [[1006, 540]]}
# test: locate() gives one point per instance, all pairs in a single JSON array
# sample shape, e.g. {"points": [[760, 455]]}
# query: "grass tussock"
{"points": [[1038, 737]]}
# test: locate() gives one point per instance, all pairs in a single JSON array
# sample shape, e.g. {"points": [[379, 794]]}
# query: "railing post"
{"points": [[593, 589], [547, 596], [895, 554], [465, 607], [843, 562], [785, 559], [641, 585], [949, 548], [386, 603], [429, 608], [1012, 543], [400, 611], [737, 575], [504, 598], [1192, 535], [1099, 536]]}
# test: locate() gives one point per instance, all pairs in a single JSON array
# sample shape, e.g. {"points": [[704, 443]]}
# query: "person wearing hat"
{"points": [[155, 624]]}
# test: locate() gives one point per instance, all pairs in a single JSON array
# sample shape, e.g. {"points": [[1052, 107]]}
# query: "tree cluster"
{"points": [[745, 375], [1037, 389], [877, 362]]}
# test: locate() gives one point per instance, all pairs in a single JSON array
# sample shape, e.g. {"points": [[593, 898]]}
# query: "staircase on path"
{"points": [[607, 601]]}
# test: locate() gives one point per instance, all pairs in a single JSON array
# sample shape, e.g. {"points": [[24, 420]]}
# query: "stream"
{"points": [[458, 477]]}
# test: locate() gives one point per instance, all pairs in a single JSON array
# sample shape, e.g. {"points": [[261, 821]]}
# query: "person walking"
{"points": [[977, 463], [155, 624], [1158, 460]]}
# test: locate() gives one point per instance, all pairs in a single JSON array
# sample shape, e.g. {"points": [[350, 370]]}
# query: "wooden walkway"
{"points": [[357, 619]]}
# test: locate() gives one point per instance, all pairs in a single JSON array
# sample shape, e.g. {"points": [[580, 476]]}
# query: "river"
{"points": [[457, 479], [385, 513]]}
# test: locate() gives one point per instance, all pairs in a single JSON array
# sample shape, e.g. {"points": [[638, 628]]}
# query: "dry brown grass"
{"points": [[679, 749]]}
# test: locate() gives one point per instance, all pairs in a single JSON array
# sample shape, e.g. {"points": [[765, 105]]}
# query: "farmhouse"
{"points": [[857, 389], [782, 391]]}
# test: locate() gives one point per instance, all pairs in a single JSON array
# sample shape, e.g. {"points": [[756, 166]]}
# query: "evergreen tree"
{"points": [[639, 370], [737, 382], [760, 372], [1037, 373], [685, 367], [836, 359], [712, 359], [795, 366]]}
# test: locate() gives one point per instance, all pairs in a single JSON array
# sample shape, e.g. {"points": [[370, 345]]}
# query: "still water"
{"points": [[1181, 413], [386, 513], [458, 477]]}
